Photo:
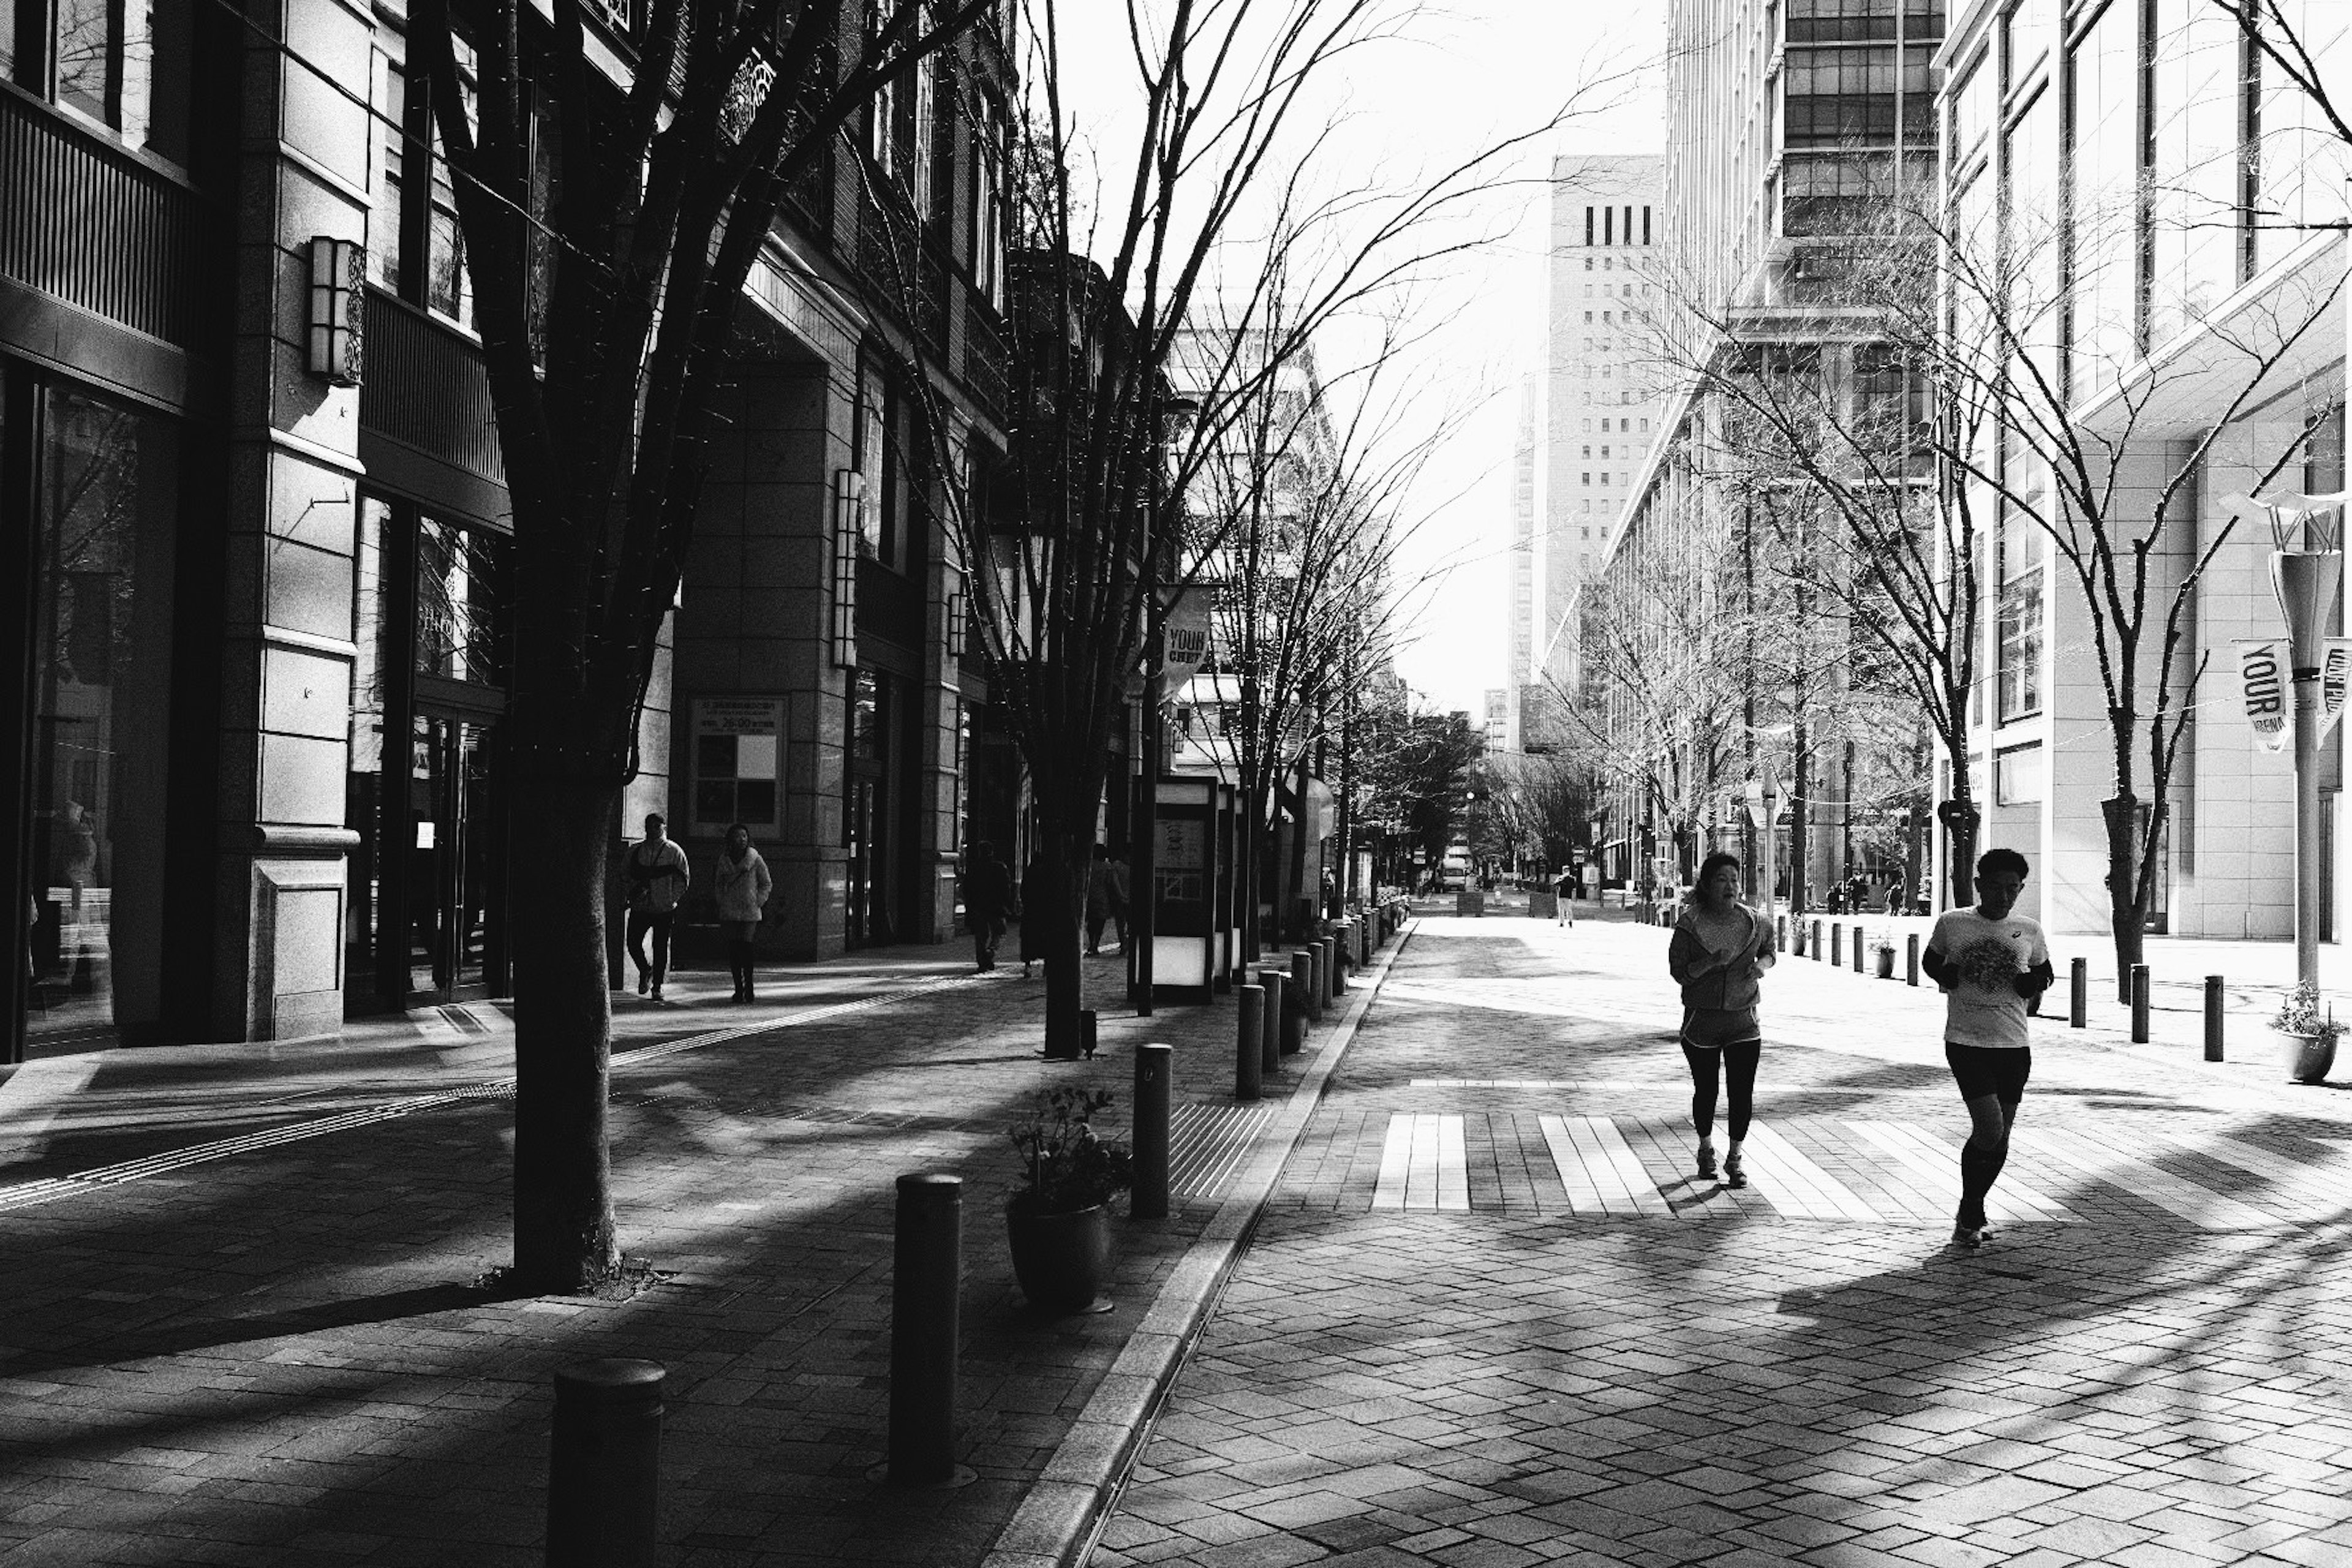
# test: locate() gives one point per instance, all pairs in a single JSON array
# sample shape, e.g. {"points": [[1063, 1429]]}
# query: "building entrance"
{"points": [[456, 927]]}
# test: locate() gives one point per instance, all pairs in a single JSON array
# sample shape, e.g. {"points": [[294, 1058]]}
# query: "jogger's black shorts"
{"points": [[1983, 1070]]}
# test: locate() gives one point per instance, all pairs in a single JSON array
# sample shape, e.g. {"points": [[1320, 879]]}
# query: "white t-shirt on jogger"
{"points": [[1983, 1007]]}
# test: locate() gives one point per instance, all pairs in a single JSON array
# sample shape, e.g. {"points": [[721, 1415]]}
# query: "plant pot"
{"points": [[1060, 1259], [1887, 963], [2306, 1057]]}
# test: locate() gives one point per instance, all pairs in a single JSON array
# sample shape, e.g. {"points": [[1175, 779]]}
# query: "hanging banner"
{"points": [[1184, 638], [2335, 675], [2263, 682]]}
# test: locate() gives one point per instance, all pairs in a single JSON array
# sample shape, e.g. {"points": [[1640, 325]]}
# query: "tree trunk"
{"points": [[1051, 911], [2122, 815], [564, 1034]]}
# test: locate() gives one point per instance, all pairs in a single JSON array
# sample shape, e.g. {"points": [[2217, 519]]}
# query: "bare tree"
{"points": [[608, 232]]}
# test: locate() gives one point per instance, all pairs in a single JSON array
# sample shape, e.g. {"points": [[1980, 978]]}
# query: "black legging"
{"points": [[1741, 1059]]}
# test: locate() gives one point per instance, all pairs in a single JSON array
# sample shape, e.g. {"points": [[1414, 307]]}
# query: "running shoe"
{"points": [[1706, 1162], [1735, 1175], [1970, 1235]]}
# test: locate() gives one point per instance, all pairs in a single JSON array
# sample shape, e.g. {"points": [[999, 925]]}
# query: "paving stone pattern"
{"points": [[281, 1356], [1525, 1381]]}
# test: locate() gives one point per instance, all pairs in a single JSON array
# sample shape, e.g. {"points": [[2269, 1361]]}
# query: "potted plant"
{"points": [[1884, 946], [2310, 1034], [1058, 1221]]}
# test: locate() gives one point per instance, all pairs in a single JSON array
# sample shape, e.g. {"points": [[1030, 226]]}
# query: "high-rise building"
{"points": [[1501, 722], [1602, 390]]}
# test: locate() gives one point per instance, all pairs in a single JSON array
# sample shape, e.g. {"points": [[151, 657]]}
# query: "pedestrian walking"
{"points": [[1991, 964], [1105, 898], [1564, 893], [987, 895], [657, 879], [1718, 954], [741, 885]]}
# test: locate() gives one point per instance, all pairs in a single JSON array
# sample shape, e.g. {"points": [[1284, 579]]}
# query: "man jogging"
{"points": [[1991, 964]]}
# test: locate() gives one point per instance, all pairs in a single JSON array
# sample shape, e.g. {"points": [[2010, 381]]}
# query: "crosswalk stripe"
{"points": [[1388, 1192], [2201, 1206], [1584, 1190], [1935, 1166], [1626, 1183], [1794, 1184], [1453, 1167]]}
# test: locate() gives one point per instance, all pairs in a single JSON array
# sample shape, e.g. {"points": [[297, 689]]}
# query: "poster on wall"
{"points": [[2261, 681], [739, 763]]}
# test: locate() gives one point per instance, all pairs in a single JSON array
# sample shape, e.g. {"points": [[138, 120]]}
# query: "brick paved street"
{"points": [[1490, 1319], [243, 1325]]}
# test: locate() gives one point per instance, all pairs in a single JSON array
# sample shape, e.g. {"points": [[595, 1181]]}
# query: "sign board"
{"points": [[1180, 861], [2263, 685], [1184, 642], [739, 763]]}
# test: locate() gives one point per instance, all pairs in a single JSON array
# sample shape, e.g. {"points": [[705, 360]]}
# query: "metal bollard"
{"points": [[2139, 1003], [927, 1257], [1270, 982], [1154, 1066], [1291, 1020], [1302, 996], [1318, 981], [1911, 959], [604, 1475], [2213, 1017], [1817, 942], [1837, 944], [2078, 1010], [1857, 950], [1249, 1042], [1335, 968], [1779, 933]]}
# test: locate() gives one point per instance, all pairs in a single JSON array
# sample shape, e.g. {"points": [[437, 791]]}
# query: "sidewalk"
{"points": [[1492, 1319], [246, 1324]]}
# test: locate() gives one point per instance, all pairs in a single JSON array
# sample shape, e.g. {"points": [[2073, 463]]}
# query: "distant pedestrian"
{"points": [[1718, 954], [742, 884], [1992, 962], [1105, 898], [1564, 893], [987, 898], [656, 878]]}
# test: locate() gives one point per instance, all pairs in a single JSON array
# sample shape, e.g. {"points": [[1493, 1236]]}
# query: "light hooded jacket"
{"points": [[741, 886], [1721, 985]]}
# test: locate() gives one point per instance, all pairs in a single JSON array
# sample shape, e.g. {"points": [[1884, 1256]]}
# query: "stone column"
{"points": [[306, 160]]}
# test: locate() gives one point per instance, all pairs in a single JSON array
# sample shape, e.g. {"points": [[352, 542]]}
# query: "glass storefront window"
{"points": [[128, 67], [108, 492], [461, 604]]}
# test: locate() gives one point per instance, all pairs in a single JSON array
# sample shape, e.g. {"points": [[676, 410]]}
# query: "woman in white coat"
{"points": [[742, 884]]}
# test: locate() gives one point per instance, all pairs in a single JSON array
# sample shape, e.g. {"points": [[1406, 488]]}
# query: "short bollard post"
{"points": [[1291, 1021], [1857, 950], [1335, 968], [1911, 959], [2078, 1009], [1319, 981], [2213, 1017], [604, 1476], [1837, 944], [1154, 1065], [1249, 1042], [926, 1259], [2139, 1003], [1817, 942], [1779, 933], [1270, 981], [1302, 998]]}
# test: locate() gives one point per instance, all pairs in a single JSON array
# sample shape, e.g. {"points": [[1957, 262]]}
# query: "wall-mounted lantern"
{"points": [[338, 297]]}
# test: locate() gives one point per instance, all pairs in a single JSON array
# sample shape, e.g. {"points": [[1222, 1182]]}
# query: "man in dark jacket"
{"points": [[987, 896]]}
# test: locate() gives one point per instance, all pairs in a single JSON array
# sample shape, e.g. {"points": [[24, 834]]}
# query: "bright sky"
{"points": [[1464, 75]]}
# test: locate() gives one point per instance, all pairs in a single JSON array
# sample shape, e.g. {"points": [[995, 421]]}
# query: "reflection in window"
{"points": [[101, 660], [461, 604], [124, 63]]}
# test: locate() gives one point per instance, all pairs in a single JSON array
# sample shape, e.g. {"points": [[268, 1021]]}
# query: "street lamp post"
{"points": [[1764, 810], [2306, 568]]}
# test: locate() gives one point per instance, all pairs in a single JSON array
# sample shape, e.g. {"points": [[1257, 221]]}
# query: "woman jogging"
{"points": [[1719, 953]]}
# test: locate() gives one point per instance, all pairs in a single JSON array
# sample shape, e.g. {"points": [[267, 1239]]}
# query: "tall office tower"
{"points": [[1524, 566], [1608, 224]]}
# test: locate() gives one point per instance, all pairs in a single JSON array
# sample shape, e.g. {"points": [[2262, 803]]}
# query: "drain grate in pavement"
{"points": [[1207, 1143]]}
